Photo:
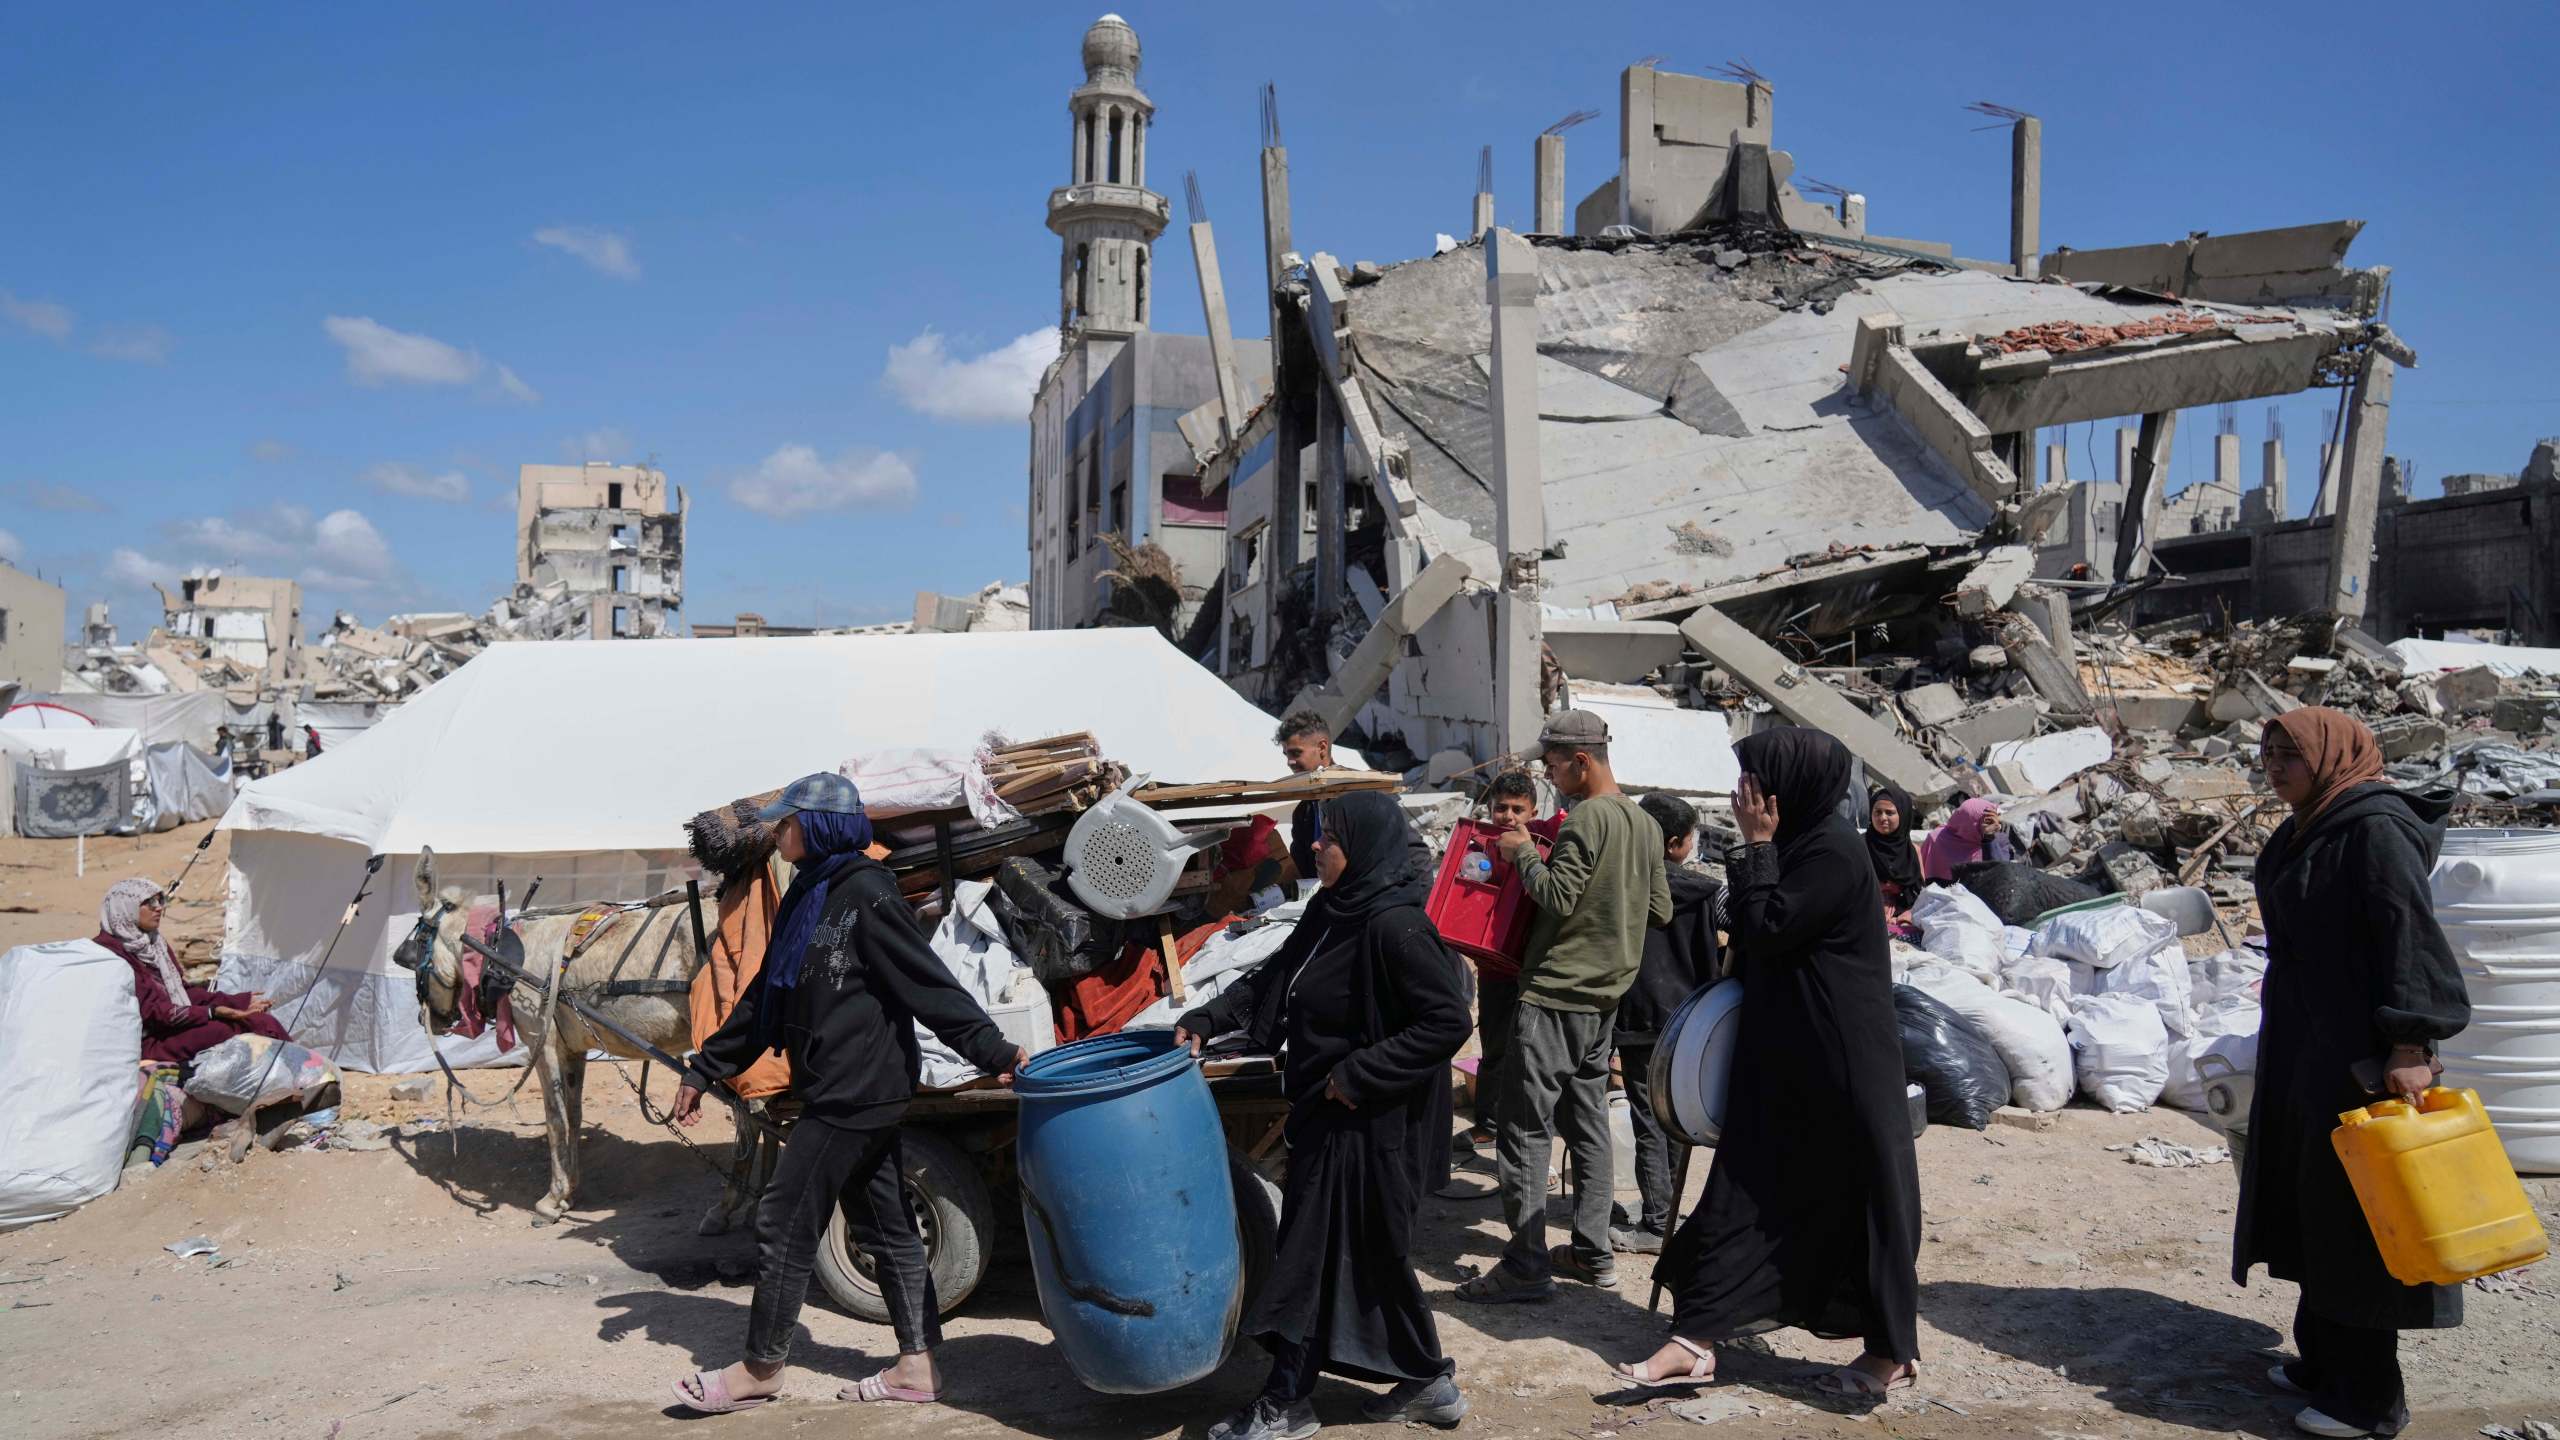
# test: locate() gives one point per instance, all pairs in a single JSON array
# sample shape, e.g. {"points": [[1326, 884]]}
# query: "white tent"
{"points": [[580, 761]]}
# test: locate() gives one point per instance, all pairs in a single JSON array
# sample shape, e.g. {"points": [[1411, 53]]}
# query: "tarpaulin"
{"points": [[58, 804]]}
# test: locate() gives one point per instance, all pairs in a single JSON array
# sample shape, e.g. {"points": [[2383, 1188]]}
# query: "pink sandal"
{"points": [[875, 1388], [714, 1397], [1694, 1376]]}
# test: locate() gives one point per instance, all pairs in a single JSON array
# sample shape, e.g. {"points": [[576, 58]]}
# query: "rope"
{"points": [[453, 1083]]}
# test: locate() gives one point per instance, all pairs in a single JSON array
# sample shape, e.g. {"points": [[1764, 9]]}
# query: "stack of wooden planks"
{"points": [[1060, 772]]}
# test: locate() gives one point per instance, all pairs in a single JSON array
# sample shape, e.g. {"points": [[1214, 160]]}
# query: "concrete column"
{"points": [[1329, 521], [1222, 340], [1483, 216], [2226, 462], [2360, 489], [2324, 501], [2056, 469], [2271, 479], [1075, 148], [2022, 461], [1519, 489], [2140, 523], [1137, 148], [2026, 192], [1275, 238], [1097, 144], [1550, 172], [2124, 456]]}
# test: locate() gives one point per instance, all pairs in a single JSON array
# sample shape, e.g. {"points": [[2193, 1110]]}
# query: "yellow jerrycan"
{"points": [[2436, 1187]]}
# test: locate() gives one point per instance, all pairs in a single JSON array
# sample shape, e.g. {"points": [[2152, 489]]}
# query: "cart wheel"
{"points": [[1257, 1222], [954, 1214]]}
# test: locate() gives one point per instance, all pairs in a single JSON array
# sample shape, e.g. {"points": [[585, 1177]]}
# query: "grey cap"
{"points": [[831, 793], [1573, 730]]}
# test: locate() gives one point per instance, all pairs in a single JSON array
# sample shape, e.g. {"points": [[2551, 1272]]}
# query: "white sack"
{"points": [[2229, 976], [2121, 1051], [2158, 977], [902, 782], [225, 1075], [2103, 937], [2230, 1031], [970, 944], [2030, 1042], [2045, 984], [70, 1053], [1958, 928]]}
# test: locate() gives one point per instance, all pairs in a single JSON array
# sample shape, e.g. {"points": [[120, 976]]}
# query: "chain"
{"points": [[668, 1122]]}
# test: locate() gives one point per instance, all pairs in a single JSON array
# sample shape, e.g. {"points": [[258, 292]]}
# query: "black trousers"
{"points": [[862, 1167], [1497, 1002], [1654, 1155], [2352, 1373]]}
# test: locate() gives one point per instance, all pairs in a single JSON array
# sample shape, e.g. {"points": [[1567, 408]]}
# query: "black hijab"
{"points": [[1805, 771], [1386, 862], [1896, 858]]}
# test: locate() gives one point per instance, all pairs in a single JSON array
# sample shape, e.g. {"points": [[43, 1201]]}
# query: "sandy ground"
{"points": [[407, 1293]]}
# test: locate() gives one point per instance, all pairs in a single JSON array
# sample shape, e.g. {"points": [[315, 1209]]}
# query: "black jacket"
{"points": [[849, 1025], [2355, 965], [1678, 958]]}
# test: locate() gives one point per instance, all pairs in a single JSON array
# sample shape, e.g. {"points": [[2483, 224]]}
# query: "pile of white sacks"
{"points": [[2103, 1002]]}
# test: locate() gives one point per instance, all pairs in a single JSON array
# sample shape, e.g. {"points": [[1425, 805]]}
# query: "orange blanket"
{"points": [[1102, 1002], [737, 953]]}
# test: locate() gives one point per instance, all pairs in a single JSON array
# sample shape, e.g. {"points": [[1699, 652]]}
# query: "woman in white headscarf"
{"points": [[179, 1020]]}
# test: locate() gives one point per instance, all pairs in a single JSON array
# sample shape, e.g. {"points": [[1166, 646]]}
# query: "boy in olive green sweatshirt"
{"points": [[1599, 888]]}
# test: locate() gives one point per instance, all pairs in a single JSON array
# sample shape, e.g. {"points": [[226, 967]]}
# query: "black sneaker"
{"points": [[1268, 1420], [1635, 1240], [1500, 1286], [1436, 1401]]}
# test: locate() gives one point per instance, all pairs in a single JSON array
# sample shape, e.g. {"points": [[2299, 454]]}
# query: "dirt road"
{"points": [[406, 1293]]}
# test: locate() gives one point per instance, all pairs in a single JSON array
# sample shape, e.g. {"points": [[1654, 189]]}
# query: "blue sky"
{"points": [[295, 289]]}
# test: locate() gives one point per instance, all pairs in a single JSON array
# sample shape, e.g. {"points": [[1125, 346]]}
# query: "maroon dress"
{"points": [[177, 1028]]}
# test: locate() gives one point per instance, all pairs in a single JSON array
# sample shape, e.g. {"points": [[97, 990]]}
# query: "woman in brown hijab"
{"points": [[2359, 978]]}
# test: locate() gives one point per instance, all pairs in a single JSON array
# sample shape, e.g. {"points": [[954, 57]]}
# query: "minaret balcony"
{"points": [[1129, 204]]}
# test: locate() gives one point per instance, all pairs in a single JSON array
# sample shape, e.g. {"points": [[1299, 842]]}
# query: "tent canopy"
{"points": [[574, 746]]}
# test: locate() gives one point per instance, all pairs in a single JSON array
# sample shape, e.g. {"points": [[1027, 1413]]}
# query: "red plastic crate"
{"points": [[1486, 919]]}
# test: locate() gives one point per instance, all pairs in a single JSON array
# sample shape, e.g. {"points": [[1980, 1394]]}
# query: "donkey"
{"points": [[633, 972]]}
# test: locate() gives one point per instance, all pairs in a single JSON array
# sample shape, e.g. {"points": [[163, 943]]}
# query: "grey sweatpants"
{"points": [[1555, 1081]]}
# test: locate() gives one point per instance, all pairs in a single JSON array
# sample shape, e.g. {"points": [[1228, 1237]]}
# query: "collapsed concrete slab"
{"points": [[1805, 700]]}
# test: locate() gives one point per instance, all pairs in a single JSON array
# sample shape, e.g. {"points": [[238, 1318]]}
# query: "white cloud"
{"points": [[794, 480], [452, 487], [379, 355], [139, 571], [11, 549], [606, 251], [605, 443], [44, 317], [337, 551], [995, 387], [141, 344], [515, 389]]}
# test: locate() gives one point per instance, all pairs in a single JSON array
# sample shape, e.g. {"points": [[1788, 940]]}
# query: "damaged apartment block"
{"points": [[599, 553], [1721, 454]]}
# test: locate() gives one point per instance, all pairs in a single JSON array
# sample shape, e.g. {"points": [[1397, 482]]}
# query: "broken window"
{"points": [[1185, 505], [1084, 281], [613, 495], [621, 534], [1312, 511], [1120, 509], [621, 621], [1246, 566], [1141, 307], [1116, 124], [621, 579]]}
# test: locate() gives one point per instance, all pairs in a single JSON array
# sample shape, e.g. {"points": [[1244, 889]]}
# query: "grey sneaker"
{"points": [[1436, 1401], [1635, 1240], [1268, 1420], [1501, 1286]]}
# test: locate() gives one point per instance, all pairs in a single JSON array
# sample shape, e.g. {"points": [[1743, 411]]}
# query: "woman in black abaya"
{"points": [[1367, 1007], [1811, 1216]]}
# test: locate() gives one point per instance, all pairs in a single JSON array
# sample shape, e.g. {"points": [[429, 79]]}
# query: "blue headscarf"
{"points": [[834, 842]]}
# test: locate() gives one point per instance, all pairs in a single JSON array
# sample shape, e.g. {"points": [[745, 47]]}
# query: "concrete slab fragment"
{"points": [[1655, 744], [2046, 761], [1805, 700], [1932, 705]]}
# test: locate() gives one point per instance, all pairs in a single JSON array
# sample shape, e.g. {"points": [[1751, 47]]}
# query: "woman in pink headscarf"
{"points": [[1972, 833]]}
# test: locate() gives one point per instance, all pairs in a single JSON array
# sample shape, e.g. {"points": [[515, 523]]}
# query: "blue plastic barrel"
{"points": [[1130, 1214]]}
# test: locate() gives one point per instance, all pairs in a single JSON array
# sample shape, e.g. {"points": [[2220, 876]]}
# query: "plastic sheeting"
{"points": [[196, 717], [180, 787], [70, 1040], [2426, 657]]}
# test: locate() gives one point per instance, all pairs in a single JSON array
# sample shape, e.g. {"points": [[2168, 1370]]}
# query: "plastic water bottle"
{"points": [[1477, 867]]}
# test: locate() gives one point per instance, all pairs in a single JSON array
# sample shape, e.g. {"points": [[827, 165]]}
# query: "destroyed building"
{"points": [[1111, 474], [31, 617], [1722, 456], [599, 552], [236, 633]]}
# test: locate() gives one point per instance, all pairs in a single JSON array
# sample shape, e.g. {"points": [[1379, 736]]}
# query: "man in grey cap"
{"points": [[1596, 892]]}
